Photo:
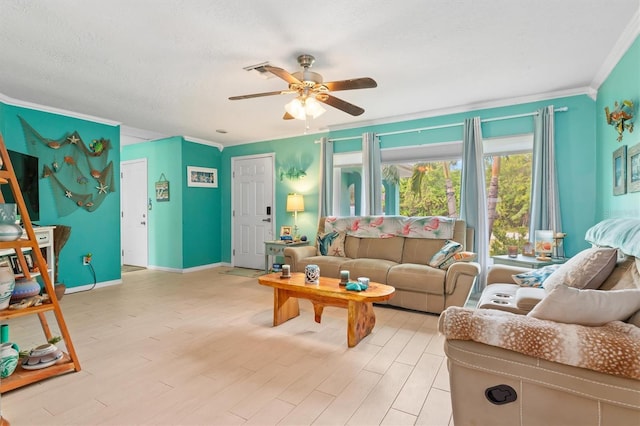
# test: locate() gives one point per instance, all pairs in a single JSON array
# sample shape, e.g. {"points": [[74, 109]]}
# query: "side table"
{"points": [[525, 261], [276, 248]]}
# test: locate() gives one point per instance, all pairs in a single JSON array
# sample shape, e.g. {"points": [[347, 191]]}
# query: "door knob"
{"points": [[143, 223], [267, 219]]}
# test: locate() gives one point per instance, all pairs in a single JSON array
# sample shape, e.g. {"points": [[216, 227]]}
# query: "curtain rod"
{"points": [[444, 126]]}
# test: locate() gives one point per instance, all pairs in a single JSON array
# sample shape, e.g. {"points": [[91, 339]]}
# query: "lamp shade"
{"points": [[295, 203]]}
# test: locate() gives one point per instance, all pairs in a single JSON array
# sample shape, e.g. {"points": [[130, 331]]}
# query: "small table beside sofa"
{"points": [[397, 251]]}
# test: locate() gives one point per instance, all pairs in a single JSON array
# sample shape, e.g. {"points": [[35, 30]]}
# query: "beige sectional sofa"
{"points": [[396, 259], [571, 358]]}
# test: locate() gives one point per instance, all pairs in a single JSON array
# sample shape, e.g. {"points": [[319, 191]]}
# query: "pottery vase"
{"points": [[25, 288], [7, 284], [9, 354], [9, 230], [312, 274]]}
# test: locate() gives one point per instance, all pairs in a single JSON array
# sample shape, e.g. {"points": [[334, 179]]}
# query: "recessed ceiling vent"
{"points": [[259, 69]]}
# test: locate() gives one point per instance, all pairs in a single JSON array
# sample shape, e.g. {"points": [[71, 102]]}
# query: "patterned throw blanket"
{"points": [[438, 227], [613, 348]]}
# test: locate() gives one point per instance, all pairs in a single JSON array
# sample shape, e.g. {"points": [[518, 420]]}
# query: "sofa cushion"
{"points": [[446, 251], [381, 248], [418, 278], [587, 307], [420, 250], [331, 244], [588, 269], [534, 277], [374, 269]]}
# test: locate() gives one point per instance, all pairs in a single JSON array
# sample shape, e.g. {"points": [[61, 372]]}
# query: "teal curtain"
{"points": [[545, 201], [473, 194], [372, 174], [326, 177]]}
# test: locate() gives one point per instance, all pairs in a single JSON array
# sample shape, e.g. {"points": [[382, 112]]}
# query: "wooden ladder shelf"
{"points": [[69, 362]]}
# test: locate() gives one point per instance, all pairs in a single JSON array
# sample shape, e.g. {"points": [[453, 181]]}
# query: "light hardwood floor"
{"points": [[199, 349]]}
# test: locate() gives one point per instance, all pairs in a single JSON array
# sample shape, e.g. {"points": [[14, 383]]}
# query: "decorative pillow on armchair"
{"points": [[535, 277], [587, 269], [448, 250], [331, 244]]}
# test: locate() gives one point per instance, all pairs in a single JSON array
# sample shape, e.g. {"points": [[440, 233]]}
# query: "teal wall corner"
{"points": [[201, 209]]}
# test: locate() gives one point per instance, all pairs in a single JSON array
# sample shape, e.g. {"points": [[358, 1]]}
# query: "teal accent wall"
{"points": [[623, 83], [184, 231], [201, 209], [575, 150], [97, 232]]}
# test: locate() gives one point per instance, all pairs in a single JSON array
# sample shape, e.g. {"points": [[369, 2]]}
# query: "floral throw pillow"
{"points": [[535, 277], [448, 250], [461, 256], [331, 244]]}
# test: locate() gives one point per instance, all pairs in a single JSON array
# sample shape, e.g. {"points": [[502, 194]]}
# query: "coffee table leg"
{"points": [[361, 320], [317, 310], [285, 307]]}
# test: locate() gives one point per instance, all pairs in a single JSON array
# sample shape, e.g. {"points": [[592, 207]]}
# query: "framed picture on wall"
{"points": [[620, 171], [202, 176], [633, 168]]}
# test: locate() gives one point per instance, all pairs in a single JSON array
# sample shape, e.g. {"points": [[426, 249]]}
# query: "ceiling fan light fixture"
{"points": [[302, 108]]}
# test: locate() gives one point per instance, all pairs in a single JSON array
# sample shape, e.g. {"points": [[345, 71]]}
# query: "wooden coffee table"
{"points": [[360, 317]]}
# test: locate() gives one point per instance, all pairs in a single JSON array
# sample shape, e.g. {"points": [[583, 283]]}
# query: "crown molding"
{"points": [[59, 111], [628, 36], [467, 108], [204, 142]]}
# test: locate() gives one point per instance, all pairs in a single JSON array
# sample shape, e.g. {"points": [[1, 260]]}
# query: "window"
{"points": [[425, 180]]}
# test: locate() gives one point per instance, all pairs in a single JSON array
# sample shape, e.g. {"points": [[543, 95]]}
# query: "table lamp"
{"points": [[295, 204]]}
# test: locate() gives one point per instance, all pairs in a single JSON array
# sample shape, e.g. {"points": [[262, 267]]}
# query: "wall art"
{"points": [[202, 176], [633, 168], [620, 170]]}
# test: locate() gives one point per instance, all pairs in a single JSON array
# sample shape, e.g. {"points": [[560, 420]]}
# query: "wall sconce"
{"points": [[295, 204], [292, 173], [620, 117]]}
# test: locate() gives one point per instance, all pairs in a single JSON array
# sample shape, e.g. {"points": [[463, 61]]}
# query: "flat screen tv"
{"points": [[27, 174]]}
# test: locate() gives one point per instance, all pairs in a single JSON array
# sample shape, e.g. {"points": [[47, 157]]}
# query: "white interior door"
{"points": [[252, 209], [133, 184]]}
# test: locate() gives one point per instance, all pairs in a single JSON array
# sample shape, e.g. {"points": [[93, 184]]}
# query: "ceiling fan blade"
{"points": [[340, 104], [287, 116], [282, 74], [258, 95], [356, 83]]}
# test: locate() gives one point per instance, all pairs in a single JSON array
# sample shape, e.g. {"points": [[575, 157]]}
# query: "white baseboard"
{"points": [[78, 289]]}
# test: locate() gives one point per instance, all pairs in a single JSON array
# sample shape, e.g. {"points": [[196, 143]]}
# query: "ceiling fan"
{"points": [[310, 88]]}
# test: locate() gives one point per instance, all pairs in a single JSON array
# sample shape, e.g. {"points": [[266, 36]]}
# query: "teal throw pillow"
{"points": [[331, 244], [535, 277], [448, 250]]}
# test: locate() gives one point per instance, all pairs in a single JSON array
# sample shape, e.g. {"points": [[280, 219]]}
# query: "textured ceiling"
{"points": [[169, 66]]}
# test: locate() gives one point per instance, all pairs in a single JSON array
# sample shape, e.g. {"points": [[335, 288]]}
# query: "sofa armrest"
{"points": [[294, 254], [458, 282], [548, 340], [502, 274]]}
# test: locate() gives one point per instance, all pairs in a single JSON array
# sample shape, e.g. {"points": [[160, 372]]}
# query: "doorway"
{"points": [[253, 208], [133, 215]]}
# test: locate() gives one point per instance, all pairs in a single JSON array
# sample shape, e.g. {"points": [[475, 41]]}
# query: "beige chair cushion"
{"points": [[420, 250], [418, 278], [586, 270], [374, 269], [587, 307]]}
